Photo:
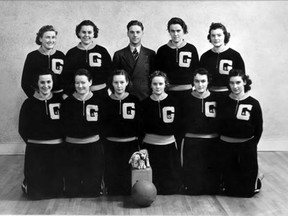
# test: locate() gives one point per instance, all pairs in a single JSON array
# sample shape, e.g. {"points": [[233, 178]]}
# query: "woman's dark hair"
{"points": [[119, 72], [43, 71], [245, 78], [177, 20], [214, 26], [41, 32], [87, 23], [202, 71], [83, 72]]}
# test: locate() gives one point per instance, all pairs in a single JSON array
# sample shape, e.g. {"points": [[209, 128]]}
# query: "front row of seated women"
{"points": [[80, 146]]}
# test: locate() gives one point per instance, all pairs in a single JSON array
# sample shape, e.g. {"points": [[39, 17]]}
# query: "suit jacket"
{"points": [[138, 70]]}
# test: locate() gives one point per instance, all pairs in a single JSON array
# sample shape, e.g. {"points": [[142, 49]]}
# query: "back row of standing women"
{"points": [[121, 121]]}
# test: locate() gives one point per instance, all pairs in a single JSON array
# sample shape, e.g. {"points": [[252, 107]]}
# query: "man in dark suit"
{"points": [[137, 60]]}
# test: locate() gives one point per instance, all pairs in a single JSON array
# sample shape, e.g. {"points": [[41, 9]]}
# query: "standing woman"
{"points": [[220, 59], [178, 59], [44, 57], [40, 128], [199, 158], [89, 55], [241, 126], [82, 116], [122, 128], [159, 114]]}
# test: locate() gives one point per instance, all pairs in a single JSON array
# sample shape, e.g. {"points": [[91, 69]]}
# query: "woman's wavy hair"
{"points": [[245, 78], [41, 32], [214, 26], [87, 23], [159, 73]]}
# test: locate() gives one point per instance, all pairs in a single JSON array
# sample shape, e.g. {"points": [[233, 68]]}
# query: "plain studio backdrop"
{"points": [[259, 31]]}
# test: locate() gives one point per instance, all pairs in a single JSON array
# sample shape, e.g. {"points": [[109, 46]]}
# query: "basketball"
{"points": [[144, 193]]}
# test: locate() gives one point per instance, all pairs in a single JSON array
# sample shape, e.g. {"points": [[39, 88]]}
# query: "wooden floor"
{"points": [[272, 200]]}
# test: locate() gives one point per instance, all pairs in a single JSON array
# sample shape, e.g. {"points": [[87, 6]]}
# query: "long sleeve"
{"points": [[68, 73], [23, 126], [258, 122], [195, 60], [108, 66], [27, 77], [158, 59], [239, 63]]}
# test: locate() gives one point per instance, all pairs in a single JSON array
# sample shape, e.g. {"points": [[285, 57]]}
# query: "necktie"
{"points": [[135, 54]]}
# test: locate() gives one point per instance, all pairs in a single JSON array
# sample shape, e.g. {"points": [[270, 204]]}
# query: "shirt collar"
{"points": [[132, 48], [78, 97], [112, 96], [235, 97], [39, 96], [81, 47], [162, 97], [201, 96], [172, 46], [42, 51]]}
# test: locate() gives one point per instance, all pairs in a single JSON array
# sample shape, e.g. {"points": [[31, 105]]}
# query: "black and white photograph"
{"points": [[144, 107]]}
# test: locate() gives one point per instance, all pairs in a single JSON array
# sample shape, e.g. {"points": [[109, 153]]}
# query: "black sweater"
{"points": [[178, 63], [96, 60], [219, 65], [82, 119], [200, 114], [35, 61], [122, 117], [159, 117], [240, 118], [40, 119]]}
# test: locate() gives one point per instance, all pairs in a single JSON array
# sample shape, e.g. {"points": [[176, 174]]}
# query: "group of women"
{"points": [[81, 125]]}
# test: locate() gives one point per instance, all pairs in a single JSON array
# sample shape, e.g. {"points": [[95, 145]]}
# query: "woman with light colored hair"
{"points": [[46, 56], [160, 113]]}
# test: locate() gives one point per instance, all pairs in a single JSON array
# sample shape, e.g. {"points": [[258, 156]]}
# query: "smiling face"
{"points": [[176, 32], [200, 83], [217, 37], [135, 35], [158, 85], [82, 84], [45, 84], [237, 85], [86, 34], [48, 40], [119, 84]]}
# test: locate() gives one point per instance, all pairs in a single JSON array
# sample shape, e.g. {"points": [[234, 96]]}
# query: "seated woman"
{"points": [[241, 126], [199, 158], [40, 128], [82, 114], [159, 116], [122, 113]]}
